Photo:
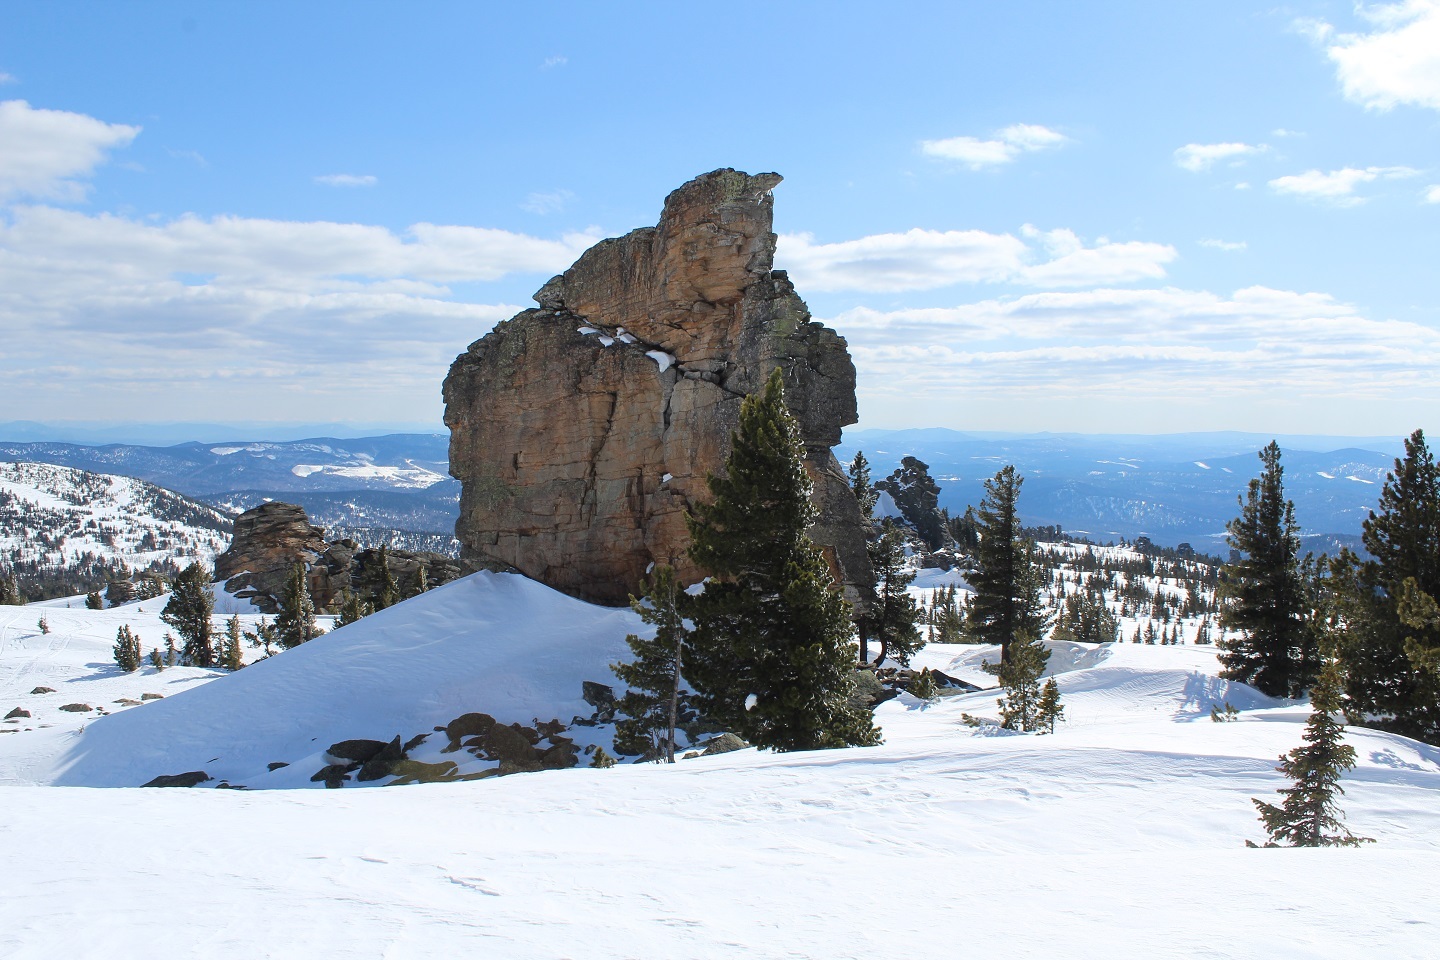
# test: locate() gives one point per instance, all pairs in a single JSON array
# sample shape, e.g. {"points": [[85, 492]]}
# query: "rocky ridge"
{"points": [[582, 429]]}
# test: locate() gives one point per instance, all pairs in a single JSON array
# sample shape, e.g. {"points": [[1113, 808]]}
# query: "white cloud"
{"points": [[1397, 62], [8, 78], [929, 259], [1282, 132], [1008, 144], [1162, 347], [552, 62], [1229, 246], [45, 153], [1198, 157], [281, 312], [547, 203], [347, 180], [1432, 193], [1337, 186]]}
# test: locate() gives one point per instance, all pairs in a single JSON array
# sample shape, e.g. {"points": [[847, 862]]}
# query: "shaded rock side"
{"points": [[582, 429], [271, 538]]}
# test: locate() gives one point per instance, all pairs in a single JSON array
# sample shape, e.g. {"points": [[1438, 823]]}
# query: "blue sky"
{"points": [[1119, 217]]}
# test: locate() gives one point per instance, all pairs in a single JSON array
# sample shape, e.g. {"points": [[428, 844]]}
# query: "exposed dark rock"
{"points": [[43, 690], [725, 743], [152, 696], [18, 712], [356, 750], [466, 725], [77, 708], [334, 775], [582, 430], [414, 742], [383, 763], [190, 779], [276, 765]]}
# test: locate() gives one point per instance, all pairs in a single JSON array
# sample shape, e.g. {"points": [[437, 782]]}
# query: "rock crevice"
{"points": [[582, 429]]}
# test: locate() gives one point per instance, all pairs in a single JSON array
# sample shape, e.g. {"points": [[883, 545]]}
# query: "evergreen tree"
{"points": [[231, 657], [155, 660], [188, 612], [654, 705], [1276, 651], [295, 623], [1309, 816], [10, 593], [389, 590], [1084, 618], [93, 601], [1049, 711], [865, 497], [1019, 676], [352, 608], [923, 686], [1005, 605], [1388, 647], [43, 624], [862, 487], [892, 610], [771, 653], [918, 497], [127, 649]]}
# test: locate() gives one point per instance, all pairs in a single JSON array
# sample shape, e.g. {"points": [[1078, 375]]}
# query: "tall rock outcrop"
{"points": [[582, 429]]}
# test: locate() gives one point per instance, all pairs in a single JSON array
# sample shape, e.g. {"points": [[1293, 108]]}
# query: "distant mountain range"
{"points": [[1173, 488], [399, 481]]}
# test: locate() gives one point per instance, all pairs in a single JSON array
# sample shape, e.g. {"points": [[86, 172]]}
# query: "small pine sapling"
{"points": [[601, 759], [1229, 714], [923, 686], [230, 654], [654, 705], [262, 636], [1309, 816], [172, 653], [1019, 678], [93, 601], [1050, 711], [127, 649], [43, 624], [155, 660]]}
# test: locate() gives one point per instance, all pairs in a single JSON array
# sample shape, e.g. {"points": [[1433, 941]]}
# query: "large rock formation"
{"points": [[271, 538], [583, 428]]}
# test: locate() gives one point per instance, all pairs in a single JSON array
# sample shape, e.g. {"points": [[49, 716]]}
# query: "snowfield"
{"points": [[1120, 836]]}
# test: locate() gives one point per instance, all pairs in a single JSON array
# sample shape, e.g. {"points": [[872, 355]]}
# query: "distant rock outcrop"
{"points": [[582, 429], [273, 537]]}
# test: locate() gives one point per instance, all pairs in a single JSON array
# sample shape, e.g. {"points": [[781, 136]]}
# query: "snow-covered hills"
{"points": [[1118, 837], [52, 517]]}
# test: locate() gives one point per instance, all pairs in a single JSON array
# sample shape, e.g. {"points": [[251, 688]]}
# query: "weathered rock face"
{"points": [[270, 539], [582, 429]]}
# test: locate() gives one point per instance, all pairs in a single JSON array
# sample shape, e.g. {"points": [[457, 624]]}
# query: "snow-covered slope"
{"points": [[492, 643], [52, 516]]}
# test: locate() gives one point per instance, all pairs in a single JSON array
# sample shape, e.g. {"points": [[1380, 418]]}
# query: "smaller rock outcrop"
{"points": [[270, 539]]}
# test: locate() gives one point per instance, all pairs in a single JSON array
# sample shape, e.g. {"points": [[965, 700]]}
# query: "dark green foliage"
{"points": [[43, 624], [389, 594], [10, 593], [188, 613], [654, 705], [1309, 816], [231, 657], [1277, 651], [918, 497], [1049, 712], [602, 759], [172, 653], [295, 623], [1084, 618], [862, 486], [1019, 676], [1389, 646], [419, 582], [964, 530], [945, 616], [352, 608], [1005, 605], [127, 649], [771, 653], [155, 660], [923, 686], [892, 613], [93, 601]]}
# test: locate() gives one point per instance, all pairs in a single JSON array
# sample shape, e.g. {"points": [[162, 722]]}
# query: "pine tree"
{"points": [[127, 649], [188, 612], [923, 686], [860, 484], [295, 623], [231, 656], [1049, 711], [155, 660], [1084, 618], [389, 589], [1309, 816], [1276, 651], [892, 610], [1020, 704], [1389, 649], [93, 601], [1006, 580], [10, 593], [43, 624], [654, 705], [771, 653], [352, 608], [865, 497]]}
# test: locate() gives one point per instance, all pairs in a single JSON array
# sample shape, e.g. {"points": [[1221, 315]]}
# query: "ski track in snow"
{"points": [[1118, 837]]}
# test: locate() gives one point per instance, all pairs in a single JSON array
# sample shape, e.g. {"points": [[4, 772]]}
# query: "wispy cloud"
{"points": [[547, 203], [194, 156], [48, 153], [1337, 186], [1396, 62], [1007, 145], [8, 78], [1199, 157], [347, 180], [930, 259], [1229, 246], [1282, 132], [551, 63], [1432, 193]]}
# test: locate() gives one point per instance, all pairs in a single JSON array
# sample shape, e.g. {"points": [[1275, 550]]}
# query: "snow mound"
{"points": [[494, 643]]}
